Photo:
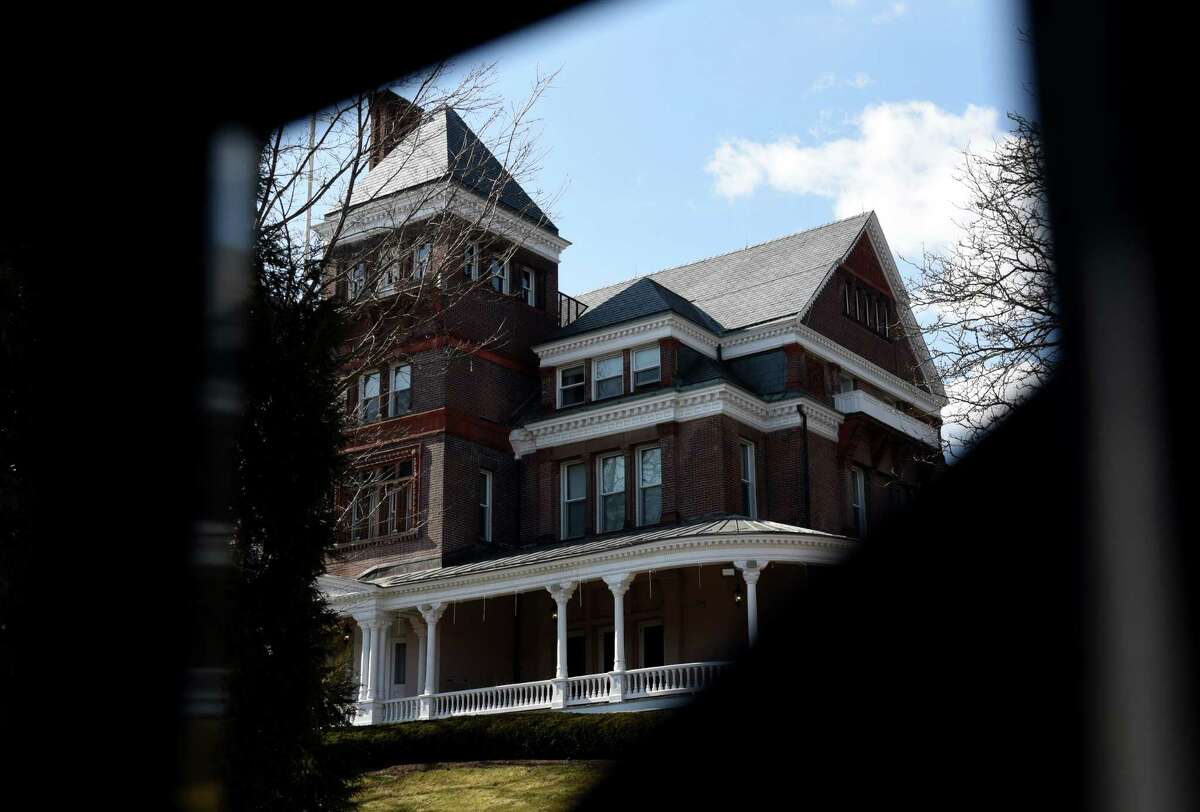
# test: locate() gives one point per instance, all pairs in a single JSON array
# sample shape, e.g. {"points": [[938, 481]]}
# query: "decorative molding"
{"points": [[860, 401], [675, 407], [627, 335], [810, 547]]}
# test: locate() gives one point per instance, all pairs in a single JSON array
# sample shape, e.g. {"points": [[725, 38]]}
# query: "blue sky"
{"points": [[680, 130]]}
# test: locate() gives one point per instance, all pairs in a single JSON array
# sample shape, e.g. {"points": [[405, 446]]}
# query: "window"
{"points": [[358, 279], [401, 389], [749, 491], [858, 500], [528, 287], [574, 493], [846, 298], [485, 505], [610, 508], [421, 260], [570, 386], [471, 261], [498, 274], [607, 374], [382, 502], [646, 368], [649, 479], [399, 663], [368, 398], [844, 383]]}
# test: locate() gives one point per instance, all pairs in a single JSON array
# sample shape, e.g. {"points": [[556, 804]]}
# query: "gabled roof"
{"points": [[443, 146], [756, 284], [644, 297]]}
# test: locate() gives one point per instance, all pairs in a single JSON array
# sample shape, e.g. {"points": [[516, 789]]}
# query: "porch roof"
{"points": [[729, 526]]}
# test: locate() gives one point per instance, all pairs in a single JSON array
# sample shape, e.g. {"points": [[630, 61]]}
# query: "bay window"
{"points": [[382, 501]]}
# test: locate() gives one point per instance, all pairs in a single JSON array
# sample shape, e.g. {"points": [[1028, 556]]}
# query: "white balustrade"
{"points": [[588, 689], [498, 699], [402, 710], [685, 678]]}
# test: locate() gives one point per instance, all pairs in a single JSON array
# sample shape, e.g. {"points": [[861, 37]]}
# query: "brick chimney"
{"points": [[392, 118]]}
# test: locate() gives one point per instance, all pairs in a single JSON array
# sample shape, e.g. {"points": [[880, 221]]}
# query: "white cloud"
{"points": [[902, 163], [892, 12], [829, 80]]}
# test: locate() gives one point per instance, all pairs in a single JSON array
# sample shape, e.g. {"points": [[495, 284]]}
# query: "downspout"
{"points": [[807, 514]]}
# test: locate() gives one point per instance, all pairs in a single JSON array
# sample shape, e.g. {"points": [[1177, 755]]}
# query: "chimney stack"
{"points": [[392, 118]]}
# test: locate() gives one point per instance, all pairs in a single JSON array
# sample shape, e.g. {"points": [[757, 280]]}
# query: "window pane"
{"points": [[651, 467], [371, 385], [401, 401], [370, 408], [572, 396], [608, 388], [402, 379], [652, 505], [612, 475], [645, 376], [576, 481], [644, 359], [613, 513], [609, 367], [575, 519], [572, 376]]}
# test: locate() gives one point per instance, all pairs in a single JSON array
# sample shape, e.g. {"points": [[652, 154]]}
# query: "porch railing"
{"points": [[500, 699], [664, 680], [402, 710], [589, 689]]}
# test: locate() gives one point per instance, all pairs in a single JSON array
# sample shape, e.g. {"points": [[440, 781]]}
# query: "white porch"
{"points": [[706, 609]]}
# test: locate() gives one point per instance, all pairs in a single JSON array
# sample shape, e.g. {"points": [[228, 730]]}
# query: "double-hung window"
{"points": [[570, 386], [498, 274], [401, 389], [606, 377], [471, 261], [610, 508], [421, 260], [485, 506], [649, 481], [368, 398], [358, 279], [574, 499], [749, 481], [527, 282], [646, 367], [382, 501], [858, 500]]}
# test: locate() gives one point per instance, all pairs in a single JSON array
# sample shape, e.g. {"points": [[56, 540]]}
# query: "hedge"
{"points": [[531, 735]]}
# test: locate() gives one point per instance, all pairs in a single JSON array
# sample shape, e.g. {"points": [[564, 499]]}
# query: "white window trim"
{"points": [[637, 464], [617, 455], [559, 388], [487, 529], [522, 270], [362, 381], [392, 389], [633, 368], [562, 497], [596, 381], [753, 476], [504, 276]]}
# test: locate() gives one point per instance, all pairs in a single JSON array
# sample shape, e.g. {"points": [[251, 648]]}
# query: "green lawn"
{"points": [[541, 785]]}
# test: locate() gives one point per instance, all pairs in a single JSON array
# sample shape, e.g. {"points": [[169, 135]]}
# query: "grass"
{"points": [[515, 785]]}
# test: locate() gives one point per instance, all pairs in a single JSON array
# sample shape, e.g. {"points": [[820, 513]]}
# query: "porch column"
{"points": [[432, 612], [364, 657], [618, 585], [377, 689], [561, 593], [750, 571], [419, 630], [371, 624]]}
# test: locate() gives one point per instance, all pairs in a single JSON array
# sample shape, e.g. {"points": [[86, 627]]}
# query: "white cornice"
{"points": [[799, 547], [627, 335], [860, 401], [677, 407], [416, 205]]}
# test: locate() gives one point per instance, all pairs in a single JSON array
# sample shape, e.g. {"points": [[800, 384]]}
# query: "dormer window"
{"points": [[646, 366], [607, 376], [570, 386]]}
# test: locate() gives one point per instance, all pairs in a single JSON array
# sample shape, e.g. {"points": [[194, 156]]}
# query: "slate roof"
{"points": [[723, 525], [443, 146], [754, 285], [644, 297]]}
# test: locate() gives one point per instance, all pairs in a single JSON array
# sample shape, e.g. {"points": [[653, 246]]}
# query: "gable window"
{"points": [[749, 485], [858, 500], [401, 389], [368, 398], [570, 386], [421, 260], [649, 481], [382, 503], [485, 506], [358, 279], [528, 286], [498, 274], [646, 366], [610, 510], [574, 499], [607, 374], [399, 663]]}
